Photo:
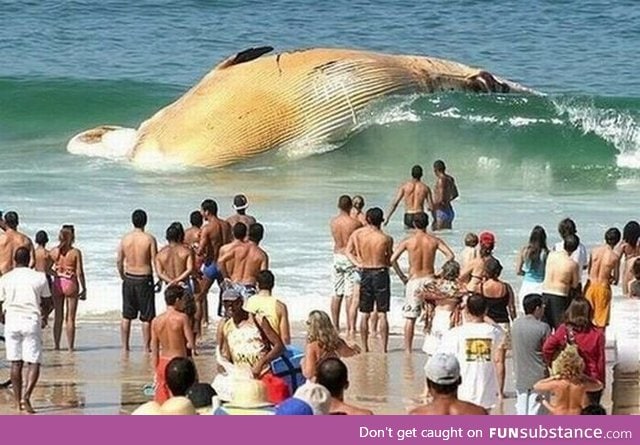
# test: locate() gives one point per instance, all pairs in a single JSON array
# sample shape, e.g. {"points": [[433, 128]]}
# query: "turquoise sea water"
{"points": [[520, 161]]}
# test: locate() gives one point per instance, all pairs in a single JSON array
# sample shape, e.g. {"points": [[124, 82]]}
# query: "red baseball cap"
{"points": [[487, 239]]}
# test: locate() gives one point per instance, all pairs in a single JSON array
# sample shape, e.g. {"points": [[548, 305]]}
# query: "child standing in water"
{"points": [[469, 252], [44, 263]]}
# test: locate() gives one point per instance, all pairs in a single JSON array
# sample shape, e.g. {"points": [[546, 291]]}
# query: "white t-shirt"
{"points": [[580, 255], [475, 344], [21, 290]]}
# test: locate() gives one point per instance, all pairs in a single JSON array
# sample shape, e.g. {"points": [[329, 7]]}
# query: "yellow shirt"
{"points": [[265, 306]]}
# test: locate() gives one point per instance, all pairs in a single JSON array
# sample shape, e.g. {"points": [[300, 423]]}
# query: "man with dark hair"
{"points": [[10, 241], [421, 248], [181, 375], [136, 256], [561, 281], [442, 372], [477, 346], [266, 305], [192, 234], [580, 255], [444, 192], [528, 334], [240, 205], [24, 297], [415, 194], [213, 236], [370, 249], [344, 272], [604, 270], [171, 337], [332, 373]]}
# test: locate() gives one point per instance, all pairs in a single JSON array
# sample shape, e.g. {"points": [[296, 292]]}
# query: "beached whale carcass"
{"points": [[252, 103]]}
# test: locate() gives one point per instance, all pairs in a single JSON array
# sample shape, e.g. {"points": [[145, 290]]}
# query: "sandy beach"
{"points": [[99, 379]]}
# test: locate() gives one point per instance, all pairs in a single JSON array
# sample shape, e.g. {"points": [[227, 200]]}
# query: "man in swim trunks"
{"points": [[604, 269], [415, 193], [192, 234], [444, 192], [421, 248], [171, 336], [213, 236], [370, 249], [136, 256], [240, 205], [344, 279], [191, 240], [561, 279], [10, 241]]}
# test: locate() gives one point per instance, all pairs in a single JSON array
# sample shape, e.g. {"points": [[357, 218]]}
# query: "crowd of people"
{"points": [[470, 314]]}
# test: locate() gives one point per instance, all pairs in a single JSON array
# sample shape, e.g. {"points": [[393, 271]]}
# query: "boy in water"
{"points": [[568, 385], [470, 251]]}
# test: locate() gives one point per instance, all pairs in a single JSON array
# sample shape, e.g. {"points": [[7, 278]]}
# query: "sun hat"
{"points": [[316, 396], [178, 406], [294, 407], [240, 202], [442, 369], [249, 393]]}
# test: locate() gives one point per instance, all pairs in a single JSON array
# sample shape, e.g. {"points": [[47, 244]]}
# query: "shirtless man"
{"points": [[332, 373], [174, 262], [136, 255], [568, 385], [192, 234], [443, 378], [421, 248], [415, 194], [561, 280], [370, 249], [213, 236], [191, 240], [240, 205], [344, 278], [171, 336], [245, 260], [444, 192], [604, 270], [10, 241]]}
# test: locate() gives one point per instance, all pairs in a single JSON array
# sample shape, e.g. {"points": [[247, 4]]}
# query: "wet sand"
{"points": [[99, 379]]}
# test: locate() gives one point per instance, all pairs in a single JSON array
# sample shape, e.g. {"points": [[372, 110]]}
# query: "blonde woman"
{"points": [[323, 341], [67, 282]]}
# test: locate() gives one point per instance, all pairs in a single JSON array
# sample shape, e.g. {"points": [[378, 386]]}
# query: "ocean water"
{"points": [[519, 161]]}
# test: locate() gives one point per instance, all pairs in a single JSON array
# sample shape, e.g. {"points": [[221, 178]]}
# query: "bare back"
{"points": [[561, 274], [566, 397], [338, 406], [604, 262], [43, 261], [213, 236], [449, 407], [445, 191], [66, 263], [138, 250], [342, 226], [422, 249], [169, 329], [415, 193], [247, 220], [244, 261], [192, 237], [10, 241], [373, 248], [174, 261]]}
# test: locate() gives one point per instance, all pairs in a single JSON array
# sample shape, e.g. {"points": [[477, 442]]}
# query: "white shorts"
{"points": [[344, 274], [23, 337], [440, 325], [412, 304]]}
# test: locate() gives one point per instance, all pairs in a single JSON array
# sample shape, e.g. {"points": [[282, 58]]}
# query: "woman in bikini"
{"points": [[68, 280], [501, 309], [630, 251], [323, 341], [473, 273]]}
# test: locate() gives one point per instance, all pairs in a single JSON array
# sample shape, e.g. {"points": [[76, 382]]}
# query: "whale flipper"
{"points": [[245, 56]]}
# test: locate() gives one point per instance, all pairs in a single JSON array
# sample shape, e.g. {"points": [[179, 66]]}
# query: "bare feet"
{"points": [[25, 406]]}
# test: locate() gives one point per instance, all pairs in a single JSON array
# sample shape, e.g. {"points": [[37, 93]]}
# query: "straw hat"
{"points": [[148, 409], [249, 393], [178, 406]]}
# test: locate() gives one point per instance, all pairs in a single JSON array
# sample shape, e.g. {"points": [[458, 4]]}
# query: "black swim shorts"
{"points": [[138, 296], [375, 290]]}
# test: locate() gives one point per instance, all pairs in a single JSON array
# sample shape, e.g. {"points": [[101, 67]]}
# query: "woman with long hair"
{"points": [[579, 330], [531, 263], [67, 284], [323, 341], [630, 251], [501, 308], [473, 273]]}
